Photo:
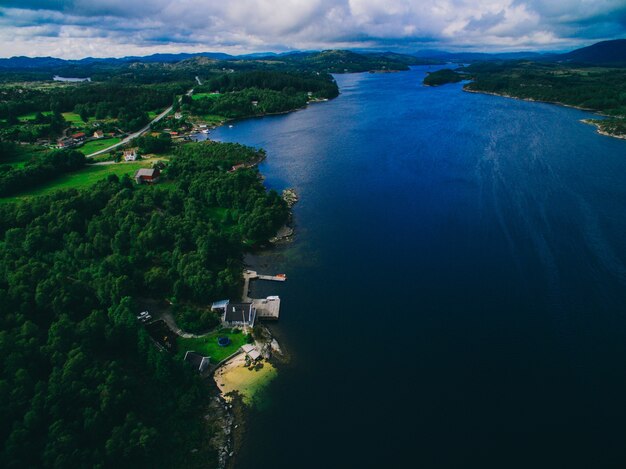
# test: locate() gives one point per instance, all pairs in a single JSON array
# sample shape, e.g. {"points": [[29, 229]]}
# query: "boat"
{"points": [[205, 131], [230, 126]]}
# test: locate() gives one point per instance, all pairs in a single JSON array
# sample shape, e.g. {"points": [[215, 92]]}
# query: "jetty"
{"points": [[266, 308]]}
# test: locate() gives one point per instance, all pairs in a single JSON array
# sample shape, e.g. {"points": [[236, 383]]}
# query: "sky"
{"points": [[74, 29]]}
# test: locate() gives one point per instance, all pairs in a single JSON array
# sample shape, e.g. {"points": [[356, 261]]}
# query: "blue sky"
{"points": [[114, 28]]}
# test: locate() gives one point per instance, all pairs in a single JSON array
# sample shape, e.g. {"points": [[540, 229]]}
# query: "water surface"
{"points": [[456, 288]]}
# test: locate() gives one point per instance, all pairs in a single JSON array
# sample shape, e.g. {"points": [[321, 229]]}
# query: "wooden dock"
{"points": [[268, 308]]}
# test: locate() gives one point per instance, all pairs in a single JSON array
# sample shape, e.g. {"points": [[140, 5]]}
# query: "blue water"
{"points": [[456, 293]]}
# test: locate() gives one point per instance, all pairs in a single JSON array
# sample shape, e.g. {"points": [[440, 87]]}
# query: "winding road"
{"points": [[139, 132]]}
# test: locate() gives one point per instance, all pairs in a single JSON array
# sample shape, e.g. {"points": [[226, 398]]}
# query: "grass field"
{"points": [[208, 345], [198, 96], [153, 114], [95, 145], [75, 119], [31, 116], [79, 179]]}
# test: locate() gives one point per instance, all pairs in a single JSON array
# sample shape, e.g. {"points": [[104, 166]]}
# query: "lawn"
{"points": [[208, 345], [95, 145], [79, 180], [152, 114], [198, 96]]}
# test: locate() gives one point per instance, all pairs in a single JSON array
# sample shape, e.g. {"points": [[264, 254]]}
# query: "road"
{"points": [[139, 132]]}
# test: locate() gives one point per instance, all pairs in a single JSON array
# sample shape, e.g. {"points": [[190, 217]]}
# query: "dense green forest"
{"points": [[257, 93], [320, 85], [245, 103], [82, 384]]}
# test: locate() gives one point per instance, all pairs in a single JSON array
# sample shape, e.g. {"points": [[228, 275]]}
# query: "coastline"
{"points": [[556, 103], [230, 121], [240, 386]]}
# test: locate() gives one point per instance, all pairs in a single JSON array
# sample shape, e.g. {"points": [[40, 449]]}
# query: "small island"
{"points": [[443, 77]]}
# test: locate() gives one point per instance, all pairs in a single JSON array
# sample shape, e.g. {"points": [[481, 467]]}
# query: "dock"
{"points": [[267, 308]]}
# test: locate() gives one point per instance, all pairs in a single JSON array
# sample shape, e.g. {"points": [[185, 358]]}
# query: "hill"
{"points": [[607, 53]]}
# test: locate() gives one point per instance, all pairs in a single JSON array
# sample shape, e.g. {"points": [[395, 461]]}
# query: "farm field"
{"points": [[80, 179]]}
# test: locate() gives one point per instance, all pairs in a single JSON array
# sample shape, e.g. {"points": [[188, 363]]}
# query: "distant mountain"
{"points": [[31, 62], [340, 61], [611, 53], [474, 56], [50, 62]]}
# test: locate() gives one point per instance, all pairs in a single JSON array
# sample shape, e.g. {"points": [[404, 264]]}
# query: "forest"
{"points": [[320, 85], [82, 384], [594, 88], [245, 94]]}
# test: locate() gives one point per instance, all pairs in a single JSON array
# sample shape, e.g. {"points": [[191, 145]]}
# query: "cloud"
{"points": [[78, 28]]}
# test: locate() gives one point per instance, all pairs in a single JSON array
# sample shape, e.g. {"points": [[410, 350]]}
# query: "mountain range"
{"points": [[609, 53]]}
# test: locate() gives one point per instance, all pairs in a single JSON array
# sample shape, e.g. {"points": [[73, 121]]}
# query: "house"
{"points": [[80, 136], [64, 143], [239, 314], [147, 175], [251, 352], [254, 103], [98, 134], [130, 155], [178, 115], [197, 361]]}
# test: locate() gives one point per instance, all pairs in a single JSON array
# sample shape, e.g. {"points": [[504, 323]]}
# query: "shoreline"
{"points": [[556, 103], [601, 131], [232, 120], [237, 390]]}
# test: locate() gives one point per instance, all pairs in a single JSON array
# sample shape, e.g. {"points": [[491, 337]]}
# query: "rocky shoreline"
{"points": [[231, 409], [286, 232]]}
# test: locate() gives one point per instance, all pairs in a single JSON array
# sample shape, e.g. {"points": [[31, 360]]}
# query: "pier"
{"points": [[267, 308]]}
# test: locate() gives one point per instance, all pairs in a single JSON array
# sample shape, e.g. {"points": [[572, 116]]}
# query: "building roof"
{"points": [[220, 304], [199, 362], [240, 312], [147, 172], [251, 351], [78, 135], [247, 348]]}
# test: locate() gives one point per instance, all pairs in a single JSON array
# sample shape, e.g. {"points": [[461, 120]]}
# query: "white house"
{"points": [[130, 155]]}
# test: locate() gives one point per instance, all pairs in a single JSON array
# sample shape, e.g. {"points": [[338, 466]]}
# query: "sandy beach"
{"points": [[235, 376]]}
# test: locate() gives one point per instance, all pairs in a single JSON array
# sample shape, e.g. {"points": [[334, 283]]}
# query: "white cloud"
{"points": [[77, 28]]}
